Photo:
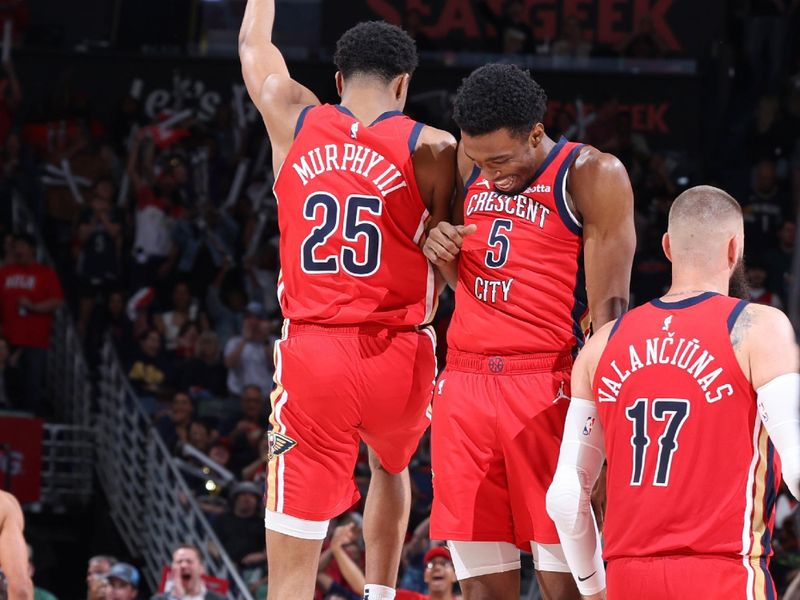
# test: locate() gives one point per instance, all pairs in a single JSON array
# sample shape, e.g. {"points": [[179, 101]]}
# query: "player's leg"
{"points": [[534, 425], [385, 522], [487, 570], [398, 371], [312, 452], [292, 566]]}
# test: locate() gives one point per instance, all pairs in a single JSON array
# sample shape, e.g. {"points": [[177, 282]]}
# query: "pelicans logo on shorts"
{"points": [[279, 444]]}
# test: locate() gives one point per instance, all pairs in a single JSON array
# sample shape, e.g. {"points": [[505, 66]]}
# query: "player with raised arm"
{"points": [[691, 398], [530, 211], [358, 184]]}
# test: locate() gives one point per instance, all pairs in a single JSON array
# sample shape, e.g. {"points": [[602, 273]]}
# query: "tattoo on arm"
{"points": [[743, 323]]}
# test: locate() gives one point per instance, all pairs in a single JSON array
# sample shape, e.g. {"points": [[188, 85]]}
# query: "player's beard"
{"points": [[737, 286]]}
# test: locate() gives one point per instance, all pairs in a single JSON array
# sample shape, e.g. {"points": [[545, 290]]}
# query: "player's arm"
{"points": [[445, 239], [277, 96], [579, 463], [766, 337], [13, 551], [602, 194]]}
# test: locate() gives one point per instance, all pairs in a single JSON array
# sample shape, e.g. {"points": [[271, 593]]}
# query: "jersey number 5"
{"points": [[499, 244], [354, 230], [678, 410]]}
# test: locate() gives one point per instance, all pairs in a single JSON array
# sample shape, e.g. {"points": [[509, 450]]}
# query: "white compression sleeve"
{"points": [[779, 407], [569, 497]]}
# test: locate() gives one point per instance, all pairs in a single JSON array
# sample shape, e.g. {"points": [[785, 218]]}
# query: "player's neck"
{"points": [[367, 103], [688, 285]]}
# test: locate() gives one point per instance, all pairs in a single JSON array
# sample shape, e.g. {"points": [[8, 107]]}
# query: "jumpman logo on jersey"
{"points": [[560, 395], [354, 130], [667, 323], [486, 183]]}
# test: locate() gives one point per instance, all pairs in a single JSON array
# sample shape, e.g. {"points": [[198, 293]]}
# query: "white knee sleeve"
{"points": [[298, 528], [471, 559]]}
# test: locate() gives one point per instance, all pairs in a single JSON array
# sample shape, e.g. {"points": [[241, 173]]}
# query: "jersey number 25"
{"points": [[354, 229]]}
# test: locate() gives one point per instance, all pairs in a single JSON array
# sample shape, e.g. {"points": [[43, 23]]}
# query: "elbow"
{"points": [[563, 502]]}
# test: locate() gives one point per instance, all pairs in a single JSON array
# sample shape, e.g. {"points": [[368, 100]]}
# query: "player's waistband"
{"points": [[368, 328], [510, 363]]}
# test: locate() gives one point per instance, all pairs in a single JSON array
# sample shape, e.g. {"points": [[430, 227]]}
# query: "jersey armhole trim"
{"points": [[615, 326], [567, 217], [414, 137], [301, 119], [471, 179], [737, 310]]}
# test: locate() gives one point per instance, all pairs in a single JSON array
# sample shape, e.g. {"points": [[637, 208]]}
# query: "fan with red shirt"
{"points": [[439, 575]]}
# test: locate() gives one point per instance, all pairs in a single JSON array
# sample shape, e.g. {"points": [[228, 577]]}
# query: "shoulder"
{"points": [[436, 139], [591, 163], [760, 324]]}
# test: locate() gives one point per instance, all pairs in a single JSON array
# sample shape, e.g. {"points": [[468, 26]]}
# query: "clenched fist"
{"points": [[444, 242]]}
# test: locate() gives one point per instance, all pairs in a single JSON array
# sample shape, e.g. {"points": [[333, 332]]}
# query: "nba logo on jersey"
{"points": [[667, 323], [588, 426], [354, 130]]}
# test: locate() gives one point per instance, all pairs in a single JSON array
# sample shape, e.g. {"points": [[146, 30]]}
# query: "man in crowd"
{"points": [[123, 581], [30, 294], [187, 577], [247, 357]]}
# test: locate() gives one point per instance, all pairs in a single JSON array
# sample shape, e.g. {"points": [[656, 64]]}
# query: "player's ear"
{"points": [[401, 85], [536, 135], [665, 244], [339, 83], [735, 248]]}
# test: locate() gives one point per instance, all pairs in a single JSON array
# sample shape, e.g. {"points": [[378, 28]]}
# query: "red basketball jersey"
{"points": [[690, 467], [519, 286], [351, 218]]}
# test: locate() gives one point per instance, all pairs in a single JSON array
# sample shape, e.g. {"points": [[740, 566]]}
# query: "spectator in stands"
{"points": [[115, 322], [201, 435], [757, 284], [30, 295], [187, 341], [241, 529], [440, 576], [156, 209], [779, 260], [184, 309], [99, 247], [123, 579], [204, 371], [38, 593], [186, 577], [226, 311], [150, 371], [765, 205], [571, 43], [98, 567], [245, 430], [174, 427], [247, 357]]}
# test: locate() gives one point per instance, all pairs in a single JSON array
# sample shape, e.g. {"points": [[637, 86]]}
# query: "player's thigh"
{"points": [[533, 426], [470, 495], [398, 372], [314, 441]]}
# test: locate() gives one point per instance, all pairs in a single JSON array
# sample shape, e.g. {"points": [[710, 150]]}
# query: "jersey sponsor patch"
{"points": [[279, 444]]}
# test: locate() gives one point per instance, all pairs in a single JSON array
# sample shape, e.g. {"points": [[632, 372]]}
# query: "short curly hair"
{"points": [[375, 48], [498, 96]]}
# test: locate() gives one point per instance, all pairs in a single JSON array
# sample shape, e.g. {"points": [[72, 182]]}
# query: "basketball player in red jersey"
{"points": [[691, 398], [357, 183], [529, 208]]}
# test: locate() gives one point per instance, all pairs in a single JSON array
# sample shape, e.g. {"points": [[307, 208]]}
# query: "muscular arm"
{"points": [[601, 191], [13, 552], [444, 243], [765, 345], [579, 464], [277, 96]]}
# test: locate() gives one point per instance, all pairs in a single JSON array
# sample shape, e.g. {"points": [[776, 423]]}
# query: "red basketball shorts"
{"points": [[336, 386], [495, 438], [677, 577]]}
